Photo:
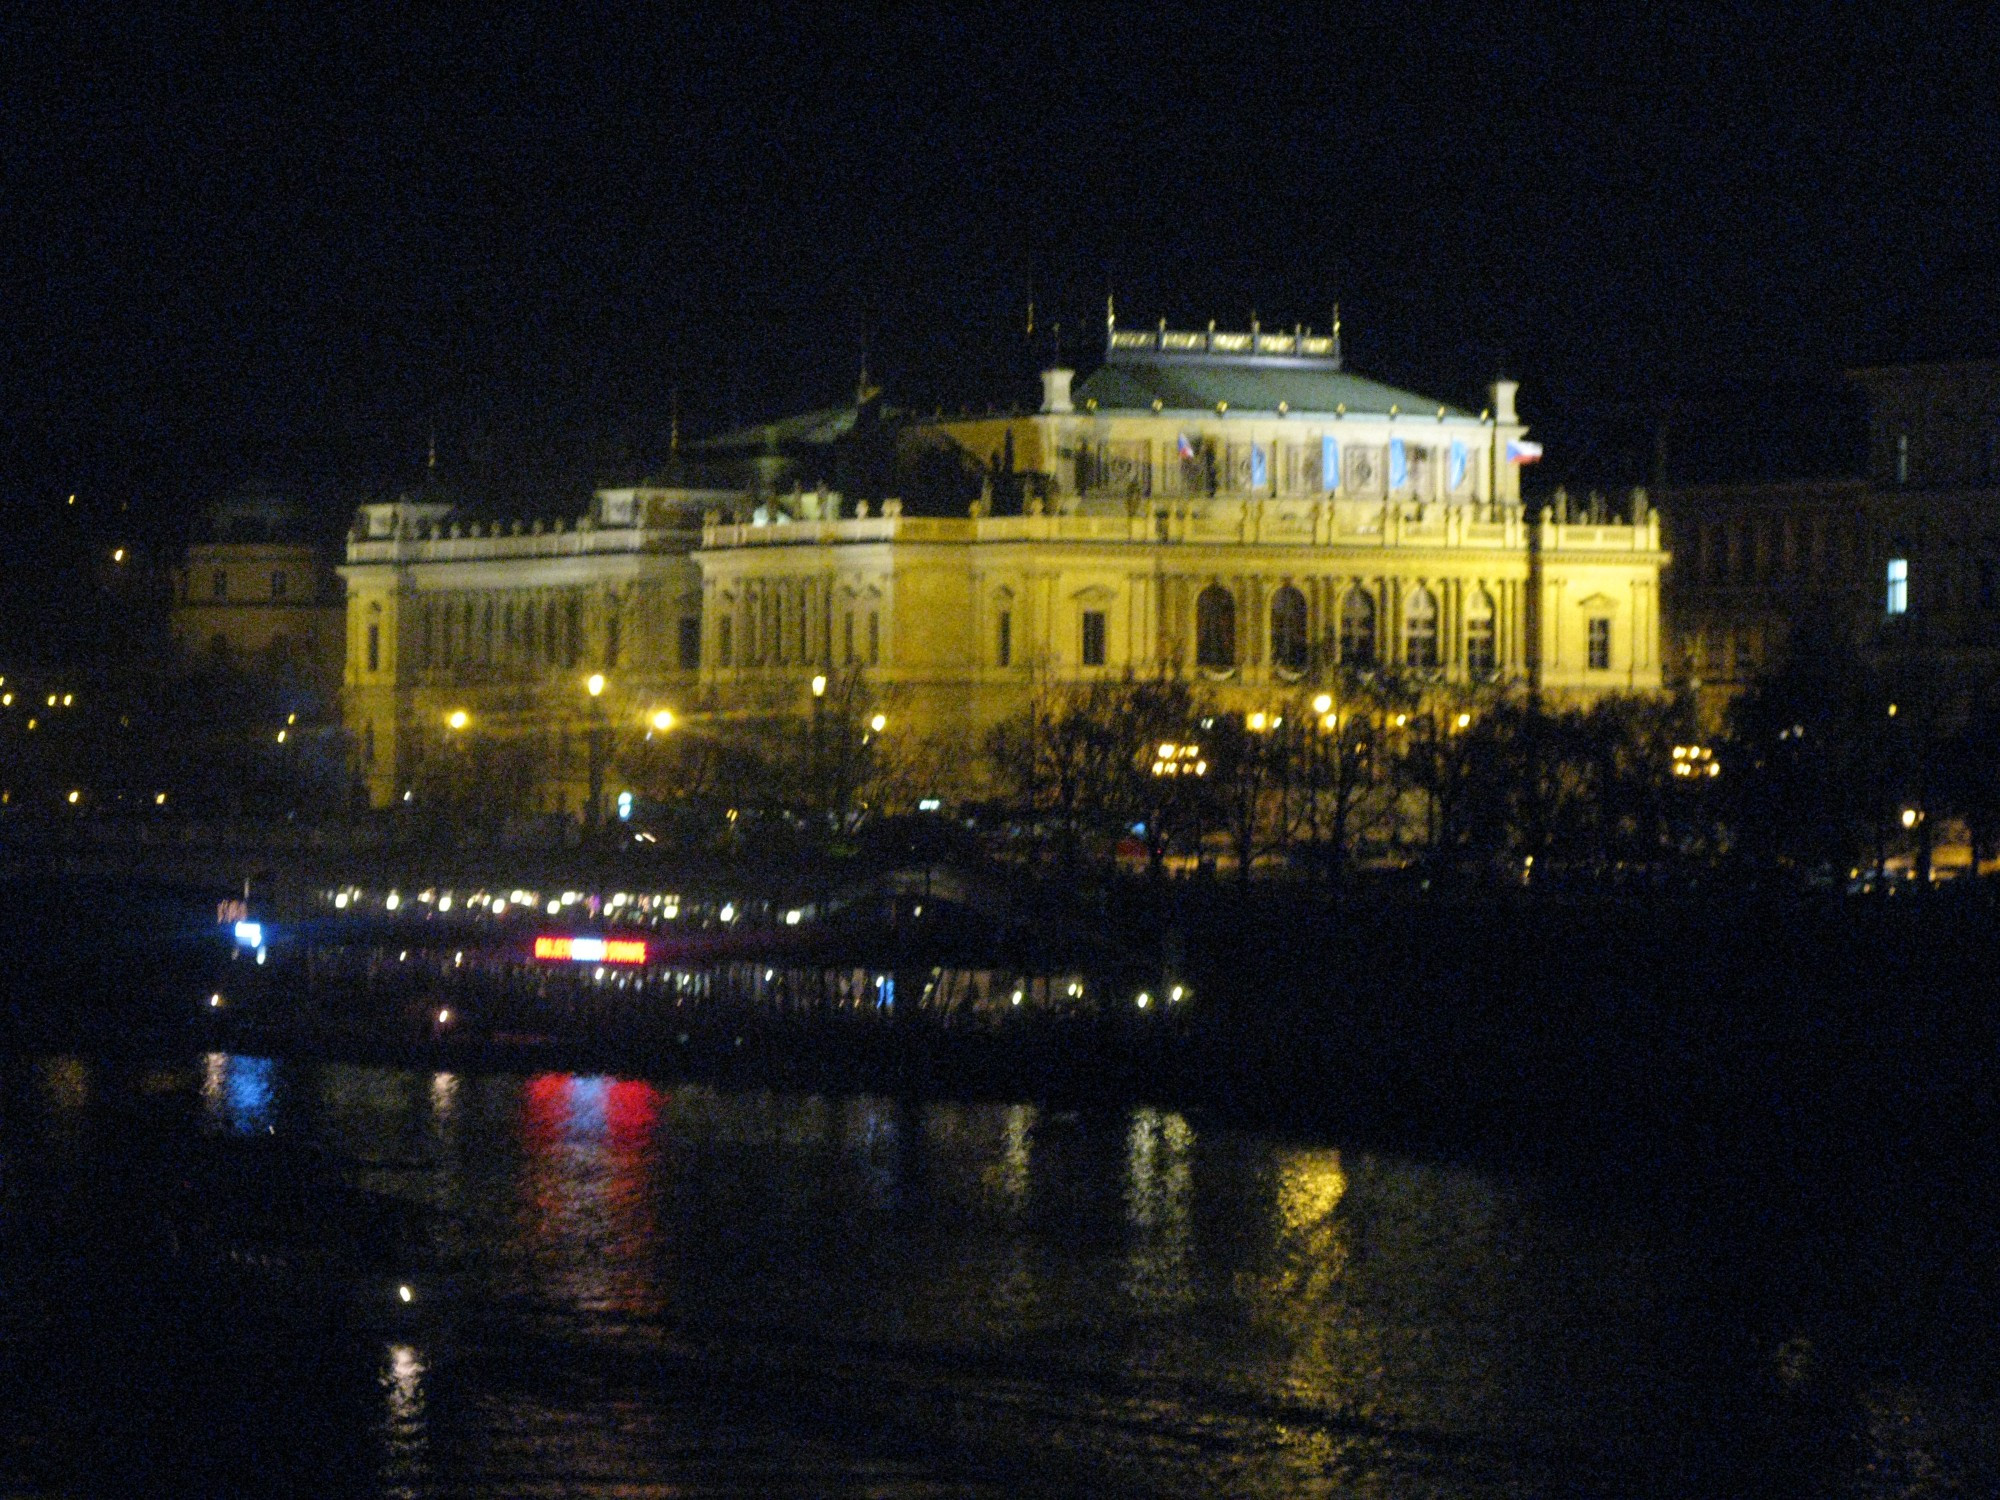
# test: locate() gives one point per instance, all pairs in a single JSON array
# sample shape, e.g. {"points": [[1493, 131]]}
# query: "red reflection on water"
{"points": [[588, 1193], [631, 1107], [545, 1108]]}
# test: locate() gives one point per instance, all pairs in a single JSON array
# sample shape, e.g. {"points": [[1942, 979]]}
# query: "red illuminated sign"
{"points": [[591, 950]]}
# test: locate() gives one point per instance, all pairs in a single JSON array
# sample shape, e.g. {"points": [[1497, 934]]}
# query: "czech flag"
{"points": [[1187, 448], [1524, 453]]}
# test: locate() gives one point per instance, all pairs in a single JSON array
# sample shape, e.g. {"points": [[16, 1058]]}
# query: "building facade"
{"points": [[259, 594], [469, 645], [1236, 509], [1899, 560]]}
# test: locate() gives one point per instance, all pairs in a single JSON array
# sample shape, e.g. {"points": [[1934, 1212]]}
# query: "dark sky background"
{"points": [[253, 247]]}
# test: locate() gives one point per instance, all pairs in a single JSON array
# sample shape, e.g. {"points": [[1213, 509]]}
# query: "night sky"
{"points": [[257, 248]]}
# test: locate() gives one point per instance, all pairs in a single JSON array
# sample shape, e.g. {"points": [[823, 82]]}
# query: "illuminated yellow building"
{"points": [[470, 644], [1234, 508]]}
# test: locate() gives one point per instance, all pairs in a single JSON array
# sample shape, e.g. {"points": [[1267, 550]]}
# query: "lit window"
{"points": [[1093, 637], [1480, 638], [1288, 629], [1357, 629], [1420, 629], [1600, 643], [1215, 628], [1898, 601]]}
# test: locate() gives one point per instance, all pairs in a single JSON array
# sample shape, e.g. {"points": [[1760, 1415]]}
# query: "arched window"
{"points": [[1420, 628], [1357, 628], [1481, 641], [1215, 628], [1288, 629]]}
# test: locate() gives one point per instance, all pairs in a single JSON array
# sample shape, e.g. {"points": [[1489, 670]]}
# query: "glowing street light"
{"points": [[663, 720], [879, 723], [458, 718], [595, 684], [819, 684], [1323, 704], [1910, 816]]}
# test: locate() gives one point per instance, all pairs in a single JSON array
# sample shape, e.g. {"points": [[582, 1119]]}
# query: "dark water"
{"points": [[645, 1290]]}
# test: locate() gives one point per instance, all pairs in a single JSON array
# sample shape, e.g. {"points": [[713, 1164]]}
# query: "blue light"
{"points": [[625, 807], [249, 934]]}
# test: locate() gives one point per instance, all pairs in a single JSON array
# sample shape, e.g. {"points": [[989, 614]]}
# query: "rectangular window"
{"points": [[1093, 637], [690, 643], [874, 638], [725, 643], [277, 585], [220, 584], [611, 642], [1600, 644], [847, 638], [1898, 599], [374, 648], [1003, 647]]}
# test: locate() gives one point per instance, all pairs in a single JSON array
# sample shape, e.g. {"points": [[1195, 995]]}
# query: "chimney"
{"points": [[1503, 400], [1055, 391]]}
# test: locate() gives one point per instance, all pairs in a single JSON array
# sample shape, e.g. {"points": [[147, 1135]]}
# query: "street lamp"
{"points": [[663, 719], [879, 723], [819, 684], [458, 718], [595, 684]]}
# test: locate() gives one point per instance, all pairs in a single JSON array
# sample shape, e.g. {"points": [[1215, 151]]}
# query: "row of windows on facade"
{"points": [[219, 584], [1357, 639], [780, 635], [518, 633], [1199, 465], [1766, 550]]}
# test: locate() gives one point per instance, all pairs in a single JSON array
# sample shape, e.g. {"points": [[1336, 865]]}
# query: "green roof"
{"points": [[1250, 384]]}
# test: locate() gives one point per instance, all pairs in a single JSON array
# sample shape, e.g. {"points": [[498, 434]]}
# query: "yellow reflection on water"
{"points": [[1310, 1184], [444, 1096], [404, 1426], [66, 1082], [1013, 1174], [1159, 1192]]}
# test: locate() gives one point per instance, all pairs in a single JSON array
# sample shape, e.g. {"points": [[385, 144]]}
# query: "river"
{"points": [[648, 1289]]}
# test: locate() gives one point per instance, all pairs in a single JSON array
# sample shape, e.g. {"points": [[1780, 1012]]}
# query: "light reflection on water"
{"points": [[236, 1091], [678, 1285]]}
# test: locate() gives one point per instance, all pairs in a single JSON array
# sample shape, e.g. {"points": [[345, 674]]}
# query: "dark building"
{"points": [[1865, 518]]}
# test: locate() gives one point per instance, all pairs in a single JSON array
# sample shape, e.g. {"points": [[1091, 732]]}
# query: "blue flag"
{"points": [[1399, 465], [1459, 461], [1329, 463], [1260, 467]]}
